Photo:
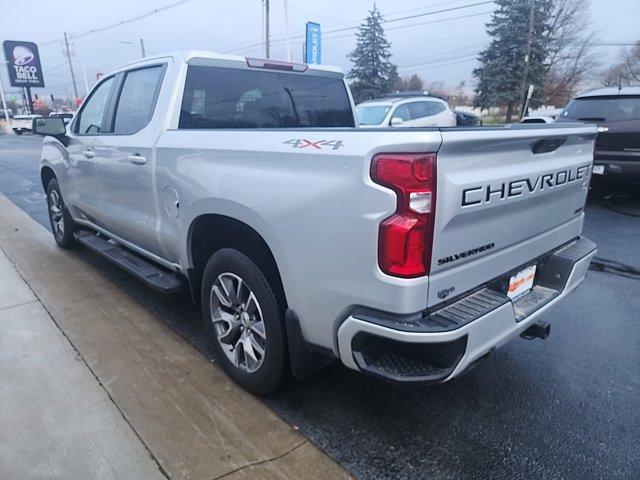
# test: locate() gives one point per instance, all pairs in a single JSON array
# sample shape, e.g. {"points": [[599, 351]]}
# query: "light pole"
{"points": [[266, 29], [286, 31], [527, 60], [84, 75], [135, 49]]}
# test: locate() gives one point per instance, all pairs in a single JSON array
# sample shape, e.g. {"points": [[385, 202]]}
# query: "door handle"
{"points": [[89, 153], [137, 159]]}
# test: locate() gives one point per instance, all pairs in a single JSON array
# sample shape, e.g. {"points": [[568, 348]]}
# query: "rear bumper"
{"points": [[439, 345], [627, 167]]}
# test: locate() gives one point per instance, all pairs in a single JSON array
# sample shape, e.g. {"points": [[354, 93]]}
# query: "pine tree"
{"points": [[501, 73], [373, 73]]}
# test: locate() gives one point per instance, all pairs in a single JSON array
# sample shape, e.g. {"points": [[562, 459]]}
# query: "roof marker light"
{"points": [[276, 65]]}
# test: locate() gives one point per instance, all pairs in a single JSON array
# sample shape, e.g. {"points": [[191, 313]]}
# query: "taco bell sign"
{"points": [[23, 64]]}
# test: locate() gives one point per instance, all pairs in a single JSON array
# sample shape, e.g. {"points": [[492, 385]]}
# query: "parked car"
{"points": [[466, 119], [66, 116], [616, 111], [547, 115], [399, 110], [9, 113], [22, 123], [538, 119], [304, 238]]}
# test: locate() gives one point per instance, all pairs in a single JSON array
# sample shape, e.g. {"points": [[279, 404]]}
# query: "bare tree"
{"points": [[412, 83], [571, 56], [626, 71], [632, 62]]}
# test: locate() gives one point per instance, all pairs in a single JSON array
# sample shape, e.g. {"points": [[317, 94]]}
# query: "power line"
{"points": [[416, 24], [611, 44], [398, 12], [439, 20], [120, 23], [55, 67], [433, 66], [439, 60], [352, 27], [444, 56], [440, 11]]}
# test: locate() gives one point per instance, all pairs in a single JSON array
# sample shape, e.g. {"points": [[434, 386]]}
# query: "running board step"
{"points": [[151, 274]]}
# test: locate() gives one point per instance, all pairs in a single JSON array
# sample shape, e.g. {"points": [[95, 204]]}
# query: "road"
{"points": [[567, 407]]}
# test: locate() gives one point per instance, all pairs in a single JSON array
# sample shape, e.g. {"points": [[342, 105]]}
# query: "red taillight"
{"points": [[406, 237]]}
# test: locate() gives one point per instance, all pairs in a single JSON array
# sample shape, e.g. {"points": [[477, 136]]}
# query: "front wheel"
{"points": [[62, 225], [244, 322]]}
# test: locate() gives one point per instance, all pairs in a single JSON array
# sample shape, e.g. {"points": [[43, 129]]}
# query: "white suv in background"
{"points": [[400, 110]]}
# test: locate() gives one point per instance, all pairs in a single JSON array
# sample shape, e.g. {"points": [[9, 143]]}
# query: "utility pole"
{"points": [[29, 99], [7, 125], [73, 77], [527, 55], [286, 30], [266, 29], [142, 51]]}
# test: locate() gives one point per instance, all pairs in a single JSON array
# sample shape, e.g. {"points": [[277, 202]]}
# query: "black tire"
{"points": [[274, 370], [64, 235], [18, 132]]}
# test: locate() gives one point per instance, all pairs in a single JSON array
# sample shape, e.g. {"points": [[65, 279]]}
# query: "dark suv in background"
{"points": [[616, 111]]}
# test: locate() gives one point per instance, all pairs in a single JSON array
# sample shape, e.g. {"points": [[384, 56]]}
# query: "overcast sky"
{"points": [[438, 47]]}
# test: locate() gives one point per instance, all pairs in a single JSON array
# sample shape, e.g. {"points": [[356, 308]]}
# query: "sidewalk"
{"points": [[56, 421], [92, 385]]}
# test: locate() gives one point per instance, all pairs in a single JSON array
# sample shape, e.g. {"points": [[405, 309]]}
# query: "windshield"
{"points": [[372, 115], [603, 109]]}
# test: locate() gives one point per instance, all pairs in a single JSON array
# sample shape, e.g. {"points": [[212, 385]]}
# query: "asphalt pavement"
{"points": [[567, 407]]}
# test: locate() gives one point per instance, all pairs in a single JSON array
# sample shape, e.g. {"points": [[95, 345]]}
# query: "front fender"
{"points": [[56, 157]]}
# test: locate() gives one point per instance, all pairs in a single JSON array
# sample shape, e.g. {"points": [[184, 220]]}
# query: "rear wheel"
{"points": [[62, 225], [244, 322]]}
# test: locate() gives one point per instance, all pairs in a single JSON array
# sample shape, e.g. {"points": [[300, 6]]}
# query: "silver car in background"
{"points": [[400, 110]]}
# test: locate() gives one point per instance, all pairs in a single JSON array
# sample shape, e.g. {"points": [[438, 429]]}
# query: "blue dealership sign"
{"points": [[313, 45]]}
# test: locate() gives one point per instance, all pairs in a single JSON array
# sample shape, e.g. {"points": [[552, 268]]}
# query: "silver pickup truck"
{"points": [[408, 254]]}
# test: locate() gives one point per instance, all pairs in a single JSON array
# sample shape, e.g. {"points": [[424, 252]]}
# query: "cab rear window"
{"points": [[217, 97]]}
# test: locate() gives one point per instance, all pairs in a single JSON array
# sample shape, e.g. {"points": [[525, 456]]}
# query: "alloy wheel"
{"points": [[238, 321], [56, 213]]}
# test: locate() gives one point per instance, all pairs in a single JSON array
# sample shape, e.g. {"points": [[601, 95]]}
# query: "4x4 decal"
{"points": [[317, 144]]}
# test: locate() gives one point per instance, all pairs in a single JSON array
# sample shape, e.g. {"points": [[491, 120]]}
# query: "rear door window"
{"points": [[603, 109], [418, 110], [435, 107], [216, 97], [137, 99]]}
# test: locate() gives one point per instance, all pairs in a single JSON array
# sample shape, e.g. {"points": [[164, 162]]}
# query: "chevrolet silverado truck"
{"points": [[406, 253]]}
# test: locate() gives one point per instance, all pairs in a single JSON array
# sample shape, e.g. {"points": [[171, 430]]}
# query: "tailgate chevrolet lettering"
{"points": [[516, 188]]}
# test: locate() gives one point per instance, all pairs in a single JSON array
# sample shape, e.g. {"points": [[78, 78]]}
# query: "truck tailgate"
{"points": [[504, 197]]}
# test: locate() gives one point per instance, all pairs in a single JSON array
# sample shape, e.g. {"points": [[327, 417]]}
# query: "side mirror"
{"points": [[50, 126], [395, 121]]}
